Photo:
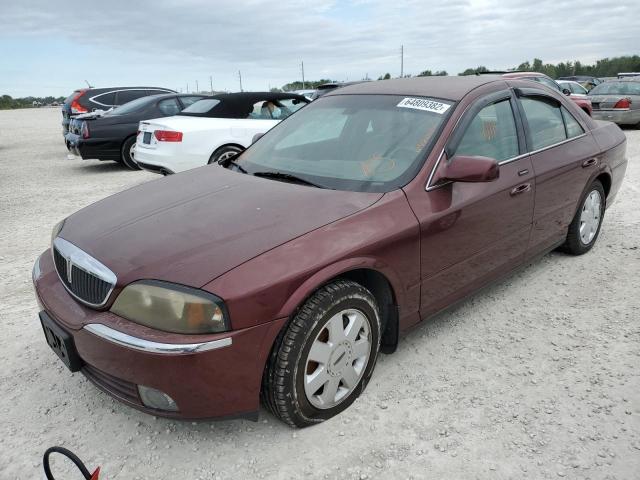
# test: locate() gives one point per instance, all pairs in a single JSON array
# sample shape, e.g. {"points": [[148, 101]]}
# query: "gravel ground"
{"points": [[537, 377]]}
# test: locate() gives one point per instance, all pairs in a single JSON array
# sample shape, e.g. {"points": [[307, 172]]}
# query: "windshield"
{"points": [[130, 107], [616, 88], [373, 143]]}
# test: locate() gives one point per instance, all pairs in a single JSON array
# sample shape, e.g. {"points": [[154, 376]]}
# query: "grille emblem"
{"points": [[69, 267]]}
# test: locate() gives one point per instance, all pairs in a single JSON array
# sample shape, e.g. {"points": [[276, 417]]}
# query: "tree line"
{"points": [[606, 67], [9, 103]]}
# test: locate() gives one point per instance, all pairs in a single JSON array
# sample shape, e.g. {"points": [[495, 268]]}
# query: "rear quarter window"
{"points": [[105, 99]]}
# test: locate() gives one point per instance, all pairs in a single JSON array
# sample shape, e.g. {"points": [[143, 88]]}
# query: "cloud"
{"points": [[341, 39]]}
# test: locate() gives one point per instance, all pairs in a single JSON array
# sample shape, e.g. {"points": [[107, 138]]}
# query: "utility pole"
{"points": [[401, 61], [211, 83], [188, 88], [302, 64], [197, 88], [240, 78]]}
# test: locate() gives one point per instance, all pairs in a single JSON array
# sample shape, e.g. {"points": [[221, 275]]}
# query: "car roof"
{"points": [[450, 88]]}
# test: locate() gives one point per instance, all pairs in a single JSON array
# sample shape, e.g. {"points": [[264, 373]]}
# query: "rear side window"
{"points": [[492, 133], [169, 106], [125, 96], [186, 101], [202, 106], [573, 127], [544, 118]]}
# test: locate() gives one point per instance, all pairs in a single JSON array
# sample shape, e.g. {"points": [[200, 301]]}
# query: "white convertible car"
{"points": [[210, 130]]}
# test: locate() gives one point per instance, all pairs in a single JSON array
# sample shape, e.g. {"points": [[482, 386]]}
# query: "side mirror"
{"points": [[256, 137], [566, 91], [471, 169]]}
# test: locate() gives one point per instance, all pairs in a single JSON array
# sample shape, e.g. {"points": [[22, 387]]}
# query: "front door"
{"points": [[472, 232]]}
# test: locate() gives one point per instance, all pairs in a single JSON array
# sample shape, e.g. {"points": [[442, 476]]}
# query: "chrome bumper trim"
{"points": [[136, 343]]}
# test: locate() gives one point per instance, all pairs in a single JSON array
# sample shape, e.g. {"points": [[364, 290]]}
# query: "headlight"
{"points": [[171, 307], [56, 230]]}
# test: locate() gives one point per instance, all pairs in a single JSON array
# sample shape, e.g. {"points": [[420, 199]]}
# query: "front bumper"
{"points": [[621, 117], [208, 376]]}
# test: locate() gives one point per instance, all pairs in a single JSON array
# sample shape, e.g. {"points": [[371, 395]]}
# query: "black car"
{"points": [[86, 100], [112, 135]]}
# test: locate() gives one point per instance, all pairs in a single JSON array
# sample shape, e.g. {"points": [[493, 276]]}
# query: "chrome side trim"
{"points": [[533, 152], [129, 341], [80, 259]]}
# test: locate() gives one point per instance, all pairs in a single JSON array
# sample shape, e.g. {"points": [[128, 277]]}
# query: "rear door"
{"points": [[473, 232], [563, 156]]}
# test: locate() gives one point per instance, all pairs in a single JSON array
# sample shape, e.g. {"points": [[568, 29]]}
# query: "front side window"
{"points": [[544, 119], [492, 133], [372, 143]]}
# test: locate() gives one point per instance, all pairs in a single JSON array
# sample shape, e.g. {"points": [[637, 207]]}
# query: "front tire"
{"points": [[324, 358], [127, 155], [585, 227], [224, 153]]}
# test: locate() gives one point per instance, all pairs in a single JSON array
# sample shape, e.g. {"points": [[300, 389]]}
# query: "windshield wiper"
{"points": [[287, 177], [226, 163]]}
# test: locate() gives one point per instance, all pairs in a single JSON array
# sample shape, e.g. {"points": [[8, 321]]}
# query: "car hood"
{"points": [[192, 227]]}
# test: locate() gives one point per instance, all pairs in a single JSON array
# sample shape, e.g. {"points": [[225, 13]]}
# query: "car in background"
{"points": [[211, 130], [307, 93], [282, 276], [112, 135], [87, 100], [328, 87], [617, 101], [628, 74], [574, 87], [581, 101], [586, 81]]}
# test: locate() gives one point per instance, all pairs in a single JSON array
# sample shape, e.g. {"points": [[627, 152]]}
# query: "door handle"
{"points": [[589, 163], [525, 187]]}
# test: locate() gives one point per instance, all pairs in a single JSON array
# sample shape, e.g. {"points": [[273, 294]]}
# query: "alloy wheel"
{"points": [[590, 217], [337, 359]]}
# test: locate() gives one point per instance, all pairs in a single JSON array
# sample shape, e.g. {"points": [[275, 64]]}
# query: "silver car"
{"points": [[617, 101]]}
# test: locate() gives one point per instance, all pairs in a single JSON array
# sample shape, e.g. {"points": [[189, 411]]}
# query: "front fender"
{"points": [[306, 289]]}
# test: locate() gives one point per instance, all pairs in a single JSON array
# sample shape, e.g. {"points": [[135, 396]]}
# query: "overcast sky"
{"points": [[49, 47]]}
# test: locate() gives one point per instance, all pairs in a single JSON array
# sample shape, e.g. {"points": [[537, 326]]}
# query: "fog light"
{"points": [[153, 398]]}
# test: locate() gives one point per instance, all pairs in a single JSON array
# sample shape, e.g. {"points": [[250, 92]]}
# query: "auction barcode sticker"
{"points": [[423, 104]]}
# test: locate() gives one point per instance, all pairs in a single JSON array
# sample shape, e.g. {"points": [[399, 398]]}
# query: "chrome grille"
{"points": [[83, 276]]}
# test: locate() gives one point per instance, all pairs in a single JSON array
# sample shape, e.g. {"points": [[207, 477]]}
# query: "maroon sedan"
{"points": [[281, 275]]}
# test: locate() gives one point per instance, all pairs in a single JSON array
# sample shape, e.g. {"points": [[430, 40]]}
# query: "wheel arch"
{"points": [[381, 282]]}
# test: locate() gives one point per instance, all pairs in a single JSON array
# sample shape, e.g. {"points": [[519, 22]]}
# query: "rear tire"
{"points": [[322, 361], [127, 155], [225, 153], [585, 227]]}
